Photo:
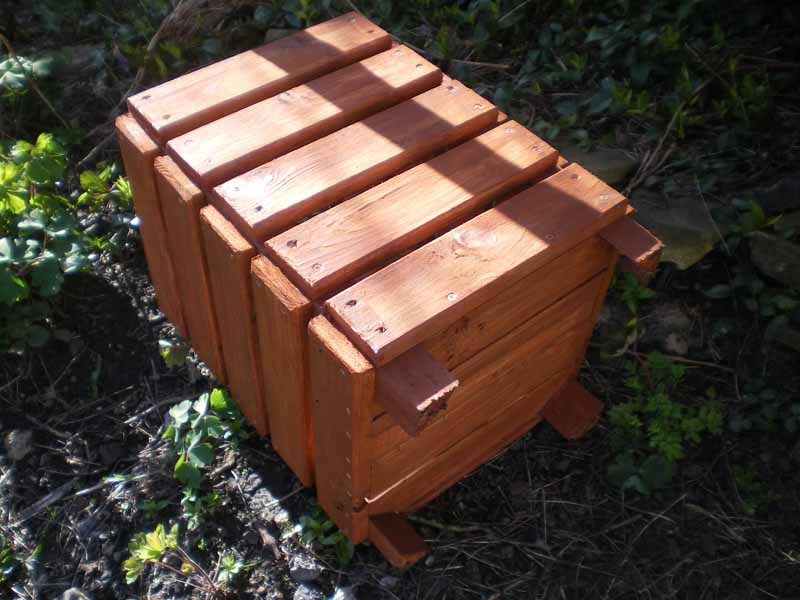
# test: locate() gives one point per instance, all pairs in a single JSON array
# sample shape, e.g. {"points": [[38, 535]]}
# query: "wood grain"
{"points": [[395, 309], [181, 202], [138, 153], [467, 454], [277, 125], [640, 249], [342, 387], [330, 249], [495, 377], [229, 255], [282, 315], [396, 539], [273, 197], [413, 388], [515, 304], [187, 102]]}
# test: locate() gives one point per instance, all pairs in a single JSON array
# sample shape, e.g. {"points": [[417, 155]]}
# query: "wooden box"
{"points": [[394, 279]]}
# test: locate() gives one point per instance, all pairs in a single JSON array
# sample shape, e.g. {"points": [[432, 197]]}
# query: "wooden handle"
{"points": [[414, 387], [640, 249]]}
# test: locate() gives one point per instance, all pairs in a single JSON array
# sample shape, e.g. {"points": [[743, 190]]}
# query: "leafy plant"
{"points": [[8, 561], [230, 567], [652, 430], [197, 430], [319, 529]]}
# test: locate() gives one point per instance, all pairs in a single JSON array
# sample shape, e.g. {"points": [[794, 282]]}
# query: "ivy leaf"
{"points": [[201, 455], [12, 288], [47, 277], [35, 221], [91, 182], [8, 250], [187, 473]]}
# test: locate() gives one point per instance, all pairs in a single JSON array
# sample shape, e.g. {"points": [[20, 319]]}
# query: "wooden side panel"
{"points": [[282, 315], [275, 126], [492, 379], [332, 248], [432, 478], [187, 102], [397, 540], [229, 256], [138, 152], [181, 202], [514, 305], [395, 308], [342, 387], [270, 198]]}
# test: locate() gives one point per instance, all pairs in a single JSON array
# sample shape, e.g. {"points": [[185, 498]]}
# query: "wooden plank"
{"points": [[413, 388], [342, 387], [640, 248], [138, 153], [228, 255], [282, 315], [277, 125], [181, 202], [332, 248], [270, 198], [506, 370], [574, 411], [187, 102], [515, 304], [435, 476], [396, 308], [396, 539]]}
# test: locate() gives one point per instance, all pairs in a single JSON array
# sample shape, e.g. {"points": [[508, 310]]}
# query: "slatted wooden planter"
{"points": [[394, 279]]}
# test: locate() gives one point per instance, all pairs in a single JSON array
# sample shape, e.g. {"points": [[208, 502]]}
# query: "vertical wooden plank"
{"points": [[342, 388], [138, 153], [282, 315], [573, 412], [229, 256], [181, 202]]}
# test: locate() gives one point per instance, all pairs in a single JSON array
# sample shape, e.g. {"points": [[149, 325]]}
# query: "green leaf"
{"points": [[180, 412], [640, 72], [201, 405], [47, 277], [657, 471], [38, 336], [20, 152], [201, 455], [35, 221], [91, 182], [719, 291], [220, 401], [187, 473], [12, 288]]}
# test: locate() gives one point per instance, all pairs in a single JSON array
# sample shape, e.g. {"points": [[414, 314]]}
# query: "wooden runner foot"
{"points": [[396, 539], [573, 412]]}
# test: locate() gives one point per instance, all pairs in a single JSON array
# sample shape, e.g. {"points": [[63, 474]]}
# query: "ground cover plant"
{"points": [[127, 472]]}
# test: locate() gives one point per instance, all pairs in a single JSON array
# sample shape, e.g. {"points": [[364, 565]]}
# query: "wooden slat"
{"points": [[270, 198], [282, 315], [228, 255], [187, 102], [330, 249], [515, 304], [501, 373], [641, 249], [394, 309], [396, 539], [574, 411], [263, 131], [138, 152], [181, 202], [466, 455], [342, 387], [413, 388]]}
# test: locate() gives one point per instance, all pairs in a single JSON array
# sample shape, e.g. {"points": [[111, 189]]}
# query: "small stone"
{"points": [[781, 332], [75, 594], [676, 344], [344, 593], [388, 582], [776, 257], [307, 592], [18, 444], [303, 567]]}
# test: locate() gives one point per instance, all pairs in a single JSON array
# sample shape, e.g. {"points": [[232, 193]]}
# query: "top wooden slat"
{"points": [[274, 196], [187, 102], [396, 308], [263, 131], [339, 244]]}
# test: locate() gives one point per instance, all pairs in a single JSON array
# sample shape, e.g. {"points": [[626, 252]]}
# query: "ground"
{"points": [[84, 468]]}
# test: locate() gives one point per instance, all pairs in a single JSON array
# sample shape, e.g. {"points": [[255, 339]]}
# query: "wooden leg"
{"points": [[396, 539], [573, 412]]}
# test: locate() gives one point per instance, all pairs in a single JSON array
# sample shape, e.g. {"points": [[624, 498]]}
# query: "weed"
{"points": [[319, 529]]}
